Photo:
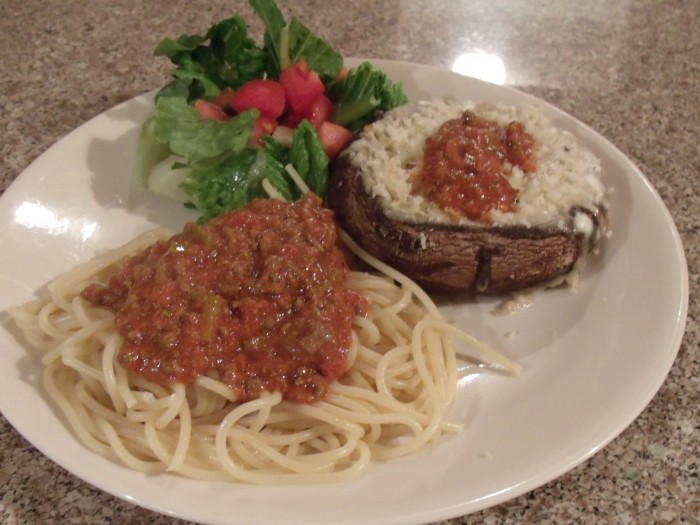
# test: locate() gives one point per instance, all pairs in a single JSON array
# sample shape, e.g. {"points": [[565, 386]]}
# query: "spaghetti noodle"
{"points": [[391, 401]]}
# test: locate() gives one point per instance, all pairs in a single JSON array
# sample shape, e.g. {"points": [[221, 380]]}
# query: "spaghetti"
{"points": [[391, 401]]}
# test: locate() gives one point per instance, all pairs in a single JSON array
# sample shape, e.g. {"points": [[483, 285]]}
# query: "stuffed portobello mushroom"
{"points": [[479, 198]]}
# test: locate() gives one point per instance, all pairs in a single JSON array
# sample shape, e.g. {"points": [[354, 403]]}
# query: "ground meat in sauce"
{"points": [[466, 164], [256, 297]]}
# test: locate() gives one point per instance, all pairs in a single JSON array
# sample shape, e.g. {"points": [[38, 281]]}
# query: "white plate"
{"points": [[593, 358]]}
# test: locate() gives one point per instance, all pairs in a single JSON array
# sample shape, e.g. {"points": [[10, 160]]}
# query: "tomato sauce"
{"points": [[466, 164], [256, 297]]}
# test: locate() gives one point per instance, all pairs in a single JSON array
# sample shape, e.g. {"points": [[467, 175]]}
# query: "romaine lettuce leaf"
{"points": [[309, 159], [363, 93], [149, 153], [293, 42], [224, 56], [196, 138], [306, 156], [224, 186], [276, 157]]}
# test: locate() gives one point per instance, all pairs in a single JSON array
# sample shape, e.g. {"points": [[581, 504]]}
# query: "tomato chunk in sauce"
{"points": [[256, 297], [466, 163]]}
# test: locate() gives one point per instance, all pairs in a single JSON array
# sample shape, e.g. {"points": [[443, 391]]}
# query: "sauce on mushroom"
{"points": [[467, 162]]}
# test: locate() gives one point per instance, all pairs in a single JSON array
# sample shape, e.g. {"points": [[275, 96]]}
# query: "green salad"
{"points": [[242, 120]]}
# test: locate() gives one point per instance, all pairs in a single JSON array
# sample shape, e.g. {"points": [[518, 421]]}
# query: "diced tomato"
{"points": [[267, 96], [333, 137], [263, 125], [223, 99], [319, 111], [302, 86], [291, 120], [343, 73], [209, 110]]}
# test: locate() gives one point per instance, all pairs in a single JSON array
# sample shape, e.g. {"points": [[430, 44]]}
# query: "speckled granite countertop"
{"points": [[630, 69]]}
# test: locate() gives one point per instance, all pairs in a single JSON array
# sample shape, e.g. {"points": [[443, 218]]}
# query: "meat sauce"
{"points": [[466, 164], [256, 297]]}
